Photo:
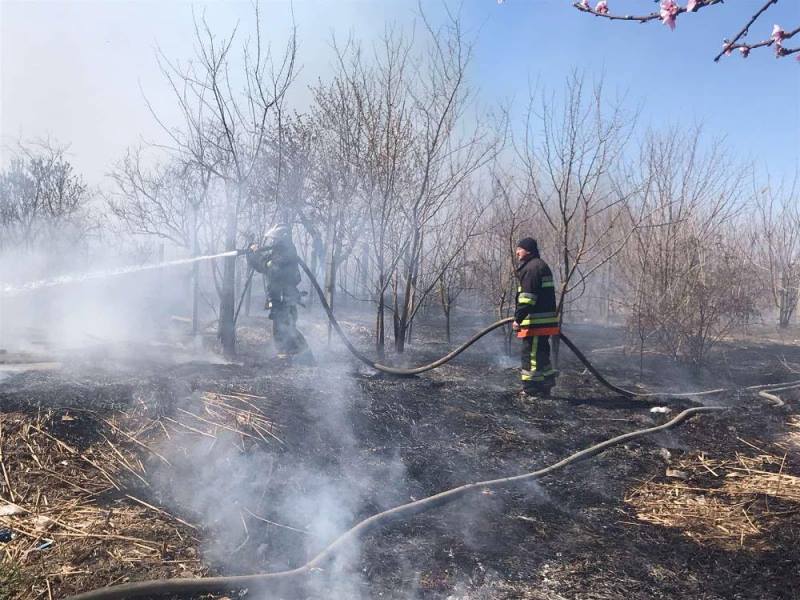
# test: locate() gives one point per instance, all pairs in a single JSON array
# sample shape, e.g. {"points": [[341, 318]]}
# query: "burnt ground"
{"points": [[129, 463]]}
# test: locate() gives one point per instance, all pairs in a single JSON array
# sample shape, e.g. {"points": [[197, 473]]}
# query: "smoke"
{"points": [[61, 299], [258, 508], [266, 509], [32, 286]]}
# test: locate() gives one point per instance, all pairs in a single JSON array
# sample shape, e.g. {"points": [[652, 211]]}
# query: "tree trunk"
{"points": [[787, 301], [446, 306], [365, 271], [402, 317], [312, 298], [247, 298], [399, 329], [330, 272], [195, 275], [227, 303], [160, 276], [380, 319], [607, 286], [380, 328]]}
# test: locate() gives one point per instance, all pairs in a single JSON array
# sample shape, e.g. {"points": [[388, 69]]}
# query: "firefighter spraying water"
{"points": [[277, 259]]}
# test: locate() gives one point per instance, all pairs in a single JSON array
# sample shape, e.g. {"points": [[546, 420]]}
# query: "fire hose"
{"points": [[405, 372], [450, 355], [266, 581], [763, 391]]}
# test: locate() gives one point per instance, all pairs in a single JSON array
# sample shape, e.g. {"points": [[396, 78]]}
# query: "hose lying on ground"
{"points": [[451, 355], [774, 400], [386, 368], [769, 392], [266, 580]]}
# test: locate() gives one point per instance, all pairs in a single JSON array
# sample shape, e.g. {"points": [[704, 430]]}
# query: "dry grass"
{"points": [[74, 491], [792, 438], [730, 503]]}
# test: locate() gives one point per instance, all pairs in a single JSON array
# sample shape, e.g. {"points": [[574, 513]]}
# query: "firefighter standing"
{"points": [[535, 319], [277, 259]]}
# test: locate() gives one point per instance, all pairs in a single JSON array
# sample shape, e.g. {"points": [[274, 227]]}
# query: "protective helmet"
{"points": [[277, 233]]}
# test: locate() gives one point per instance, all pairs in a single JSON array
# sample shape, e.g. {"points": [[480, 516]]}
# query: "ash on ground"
{"points": [[117, 469]]}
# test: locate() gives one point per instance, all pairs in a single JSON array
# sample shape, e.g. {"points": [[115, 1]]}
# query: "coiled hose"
{"points": [[265, 581]]}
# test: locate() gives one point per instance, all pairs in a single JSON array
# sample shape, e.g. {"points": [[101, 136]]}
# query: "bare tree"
{"points": [[775, 243], [227, 104], [380, 97], [573, 159], [336, 206], [451, 262], [169, 201], [154, 201], [444, 158], [42, 199], [689, 281], [506, 220]]}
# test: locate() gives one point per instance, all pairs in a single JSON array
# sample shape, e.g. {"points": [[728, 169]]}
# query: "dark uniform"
{"points": [[277, 259], [537, 320]]}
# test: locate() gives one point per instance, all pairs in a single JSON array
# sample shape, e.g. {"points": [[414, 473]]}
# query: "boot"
{"points": [[546, 389], [530, 392]]}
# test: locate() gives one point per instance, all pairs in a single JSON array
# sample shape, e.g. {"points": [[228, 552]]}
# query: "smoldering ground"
{"points": [[354, 443], [273, 509]]}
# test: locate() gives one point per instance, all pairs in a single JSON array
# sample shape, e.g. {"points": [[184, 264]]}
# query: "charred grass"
{"points": [[94, 470]]}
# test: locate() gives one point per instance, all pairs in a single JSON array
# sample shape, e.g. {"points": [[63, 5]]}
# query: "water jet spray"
{"points": [[32, 286]]}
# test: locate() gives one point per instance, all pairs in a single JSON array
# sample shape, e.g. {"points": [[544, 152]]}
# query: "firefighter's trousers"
{"points": [[285, 335], [537, 373]]}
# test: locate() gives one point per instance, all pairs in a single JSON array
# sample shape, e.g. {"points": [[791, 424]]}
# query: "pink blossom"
{"points": [[726, 47], [585, 4], [691, 6], [602, 7], [778, 34], [669, 10], [745, 51]]}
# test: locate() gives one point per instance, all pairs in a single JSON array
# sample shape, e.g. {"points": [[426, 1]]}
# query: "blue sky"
{"points": [[74, 70]]}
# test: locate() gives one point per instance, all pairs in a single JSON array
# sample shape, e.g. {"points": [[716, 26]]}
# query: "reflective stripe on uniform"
{"points": [[536, 319], [544, 315], [526, 298], [530, 376]]}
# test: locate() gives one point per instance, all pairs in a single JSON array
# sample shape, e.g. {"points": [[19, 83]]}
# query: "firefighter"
{"points": [[277, 259], [535, 319]]}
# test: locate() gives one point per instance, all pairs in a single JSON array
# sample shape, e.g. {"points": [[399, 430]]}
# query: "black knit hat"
{"points": [[529, 244]]}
